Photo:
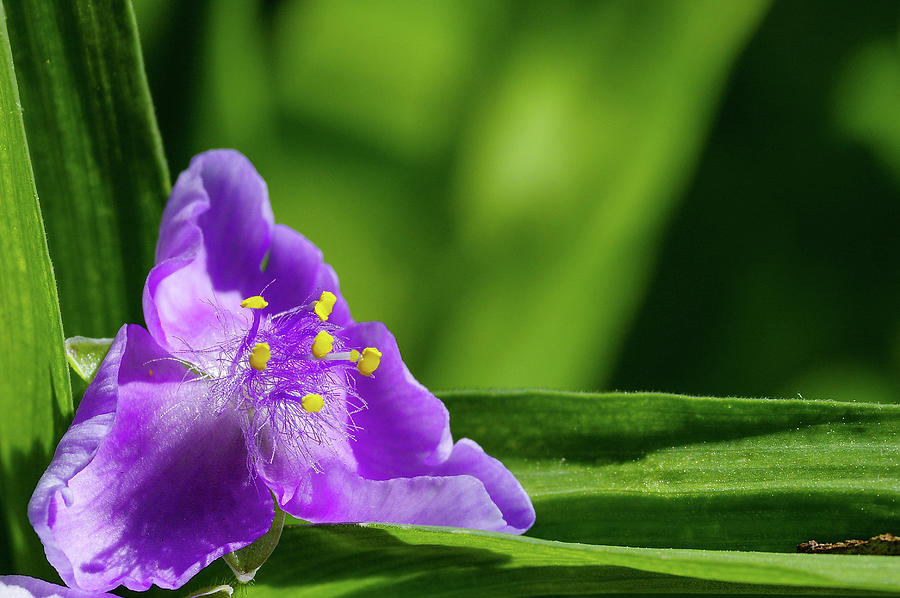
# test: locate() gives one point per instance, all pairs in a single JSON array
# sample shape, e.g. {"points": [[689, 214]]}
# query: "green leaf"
{"points": [[367, 560], [95, 158], [247, 561], [35, 397], [86, 354], [96, 152], [692, 472], [670, 479]]}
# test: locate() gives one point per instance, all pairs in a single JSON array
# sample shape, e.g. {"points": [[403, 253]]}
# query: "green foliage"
{"points": [[539, 159], [95, 150], [494, 181], [35, 398], [867, 97], [683, 482], [777, 275], [386, 560], [692, 472], [93, 155], [86, 354]]}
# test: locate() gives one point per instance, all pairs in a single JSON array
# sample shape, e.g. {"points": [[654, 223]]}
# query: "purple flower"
{"points": [[19, 586], [251, 381]]}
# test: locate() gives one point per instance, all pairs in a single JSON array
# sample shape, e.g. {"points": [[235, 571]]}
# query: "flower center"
{"points": [[293, 374]]}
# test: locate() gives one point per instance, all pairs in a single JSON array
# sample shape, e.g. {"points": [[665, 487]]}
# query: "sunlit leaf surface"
{"points": [[86, 354], [692, 472], [96, 151], [35, 397], [415, 561], [648, 492]]}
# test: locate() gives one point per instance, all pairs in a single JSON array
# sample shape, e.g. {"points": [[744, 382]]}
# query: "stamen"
{"points": [[255, 302], [324, 305], [369, 362], [322, 345], [312, 402], [260, 356], [290, 376], [351, 356]]}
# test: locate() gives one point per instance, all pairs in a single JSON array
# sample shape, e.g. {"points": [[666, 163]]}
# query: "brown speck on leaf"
{"points": [[884, 544]]}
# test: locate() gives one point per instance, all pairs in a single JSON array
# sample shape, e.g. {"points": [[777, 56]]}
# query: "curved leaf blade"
{"points": [[96, 151], [35, 396], [661, 475], [365, 560], [661, 470]]}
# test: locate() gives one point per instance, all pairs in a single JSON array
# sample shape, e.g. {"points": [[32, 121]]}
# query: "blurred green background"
{"points": [[695, 196]]}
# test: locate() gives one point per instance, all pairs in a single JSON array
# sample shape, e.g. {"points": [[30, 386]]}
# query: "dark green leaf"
{"points": [[35, 398], [376, 560], [691, 472], [96, 152], [96, 160]]}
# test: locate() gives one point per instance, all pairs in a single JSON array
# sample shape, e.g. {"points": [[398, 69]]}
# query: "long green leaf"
{"points": [[419, 561], [699, 494], [96, 150], [35, 397], [690, 472]]}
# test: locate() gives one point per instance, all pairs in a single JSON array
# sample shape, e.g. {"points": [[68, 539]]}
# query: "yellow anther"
{"points": [[368, 363], [313, 402], [324, 305], [322, 345], [354, 355], [260, 356], [255, 302]]}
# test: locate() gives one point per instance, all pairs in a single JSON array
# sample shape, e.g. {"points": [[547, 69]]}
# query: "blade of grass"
{"points": [[665, 477], [693, 472], [35, 397], [96, 152], [376, 560]]}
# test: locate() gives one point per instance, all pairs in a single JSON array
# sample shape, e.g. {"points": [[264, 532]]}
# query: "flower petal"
{"points": [[339, 496], [405, 430], [20, 586], [286, 468], [504, 489], [222, 196], [215, 232], [150, 484]]}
